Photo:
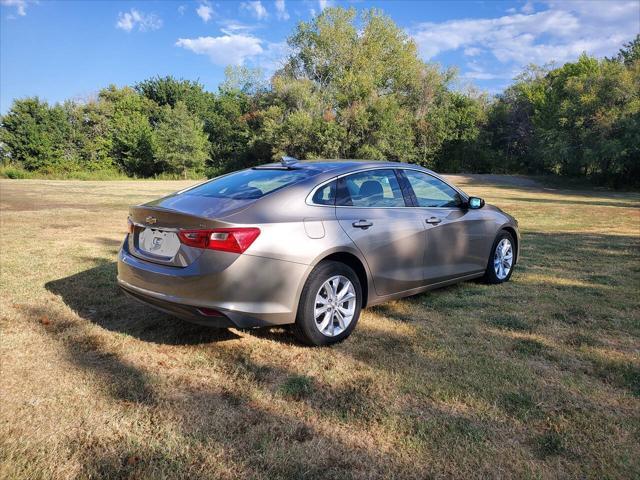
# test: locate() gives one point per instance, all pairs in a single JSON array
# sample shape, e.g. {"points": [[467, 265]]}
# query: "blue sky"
{"points": [[71, 49]]}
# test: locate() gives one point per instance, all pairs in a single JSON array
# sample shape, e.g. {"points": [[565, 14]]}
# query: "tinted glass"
{"points": [[325, 195], [250, 184], [431, 192], [373, 188]]}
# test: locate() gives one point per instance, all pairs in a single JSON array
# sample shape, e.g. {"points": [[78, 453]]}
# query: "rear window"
{"points": [[325, 195], [250, 184]]}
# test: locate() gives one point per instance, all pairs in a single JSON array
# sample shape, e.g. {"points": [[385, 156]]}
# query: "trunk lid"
{"points": [[156, 225]]}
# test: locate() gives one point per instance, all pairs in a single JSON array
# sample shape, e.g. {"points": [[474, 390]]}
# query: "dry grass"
{"points": [[536, 378]]}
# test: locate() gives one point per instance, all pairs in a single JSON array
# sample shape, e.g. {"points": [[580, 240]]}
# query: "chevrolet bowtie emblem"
{"points": [[151, 220]]}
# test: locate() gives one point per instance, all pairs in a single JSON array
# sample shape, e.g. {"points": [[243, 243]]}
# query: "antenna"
{"points": [[288, 161]]}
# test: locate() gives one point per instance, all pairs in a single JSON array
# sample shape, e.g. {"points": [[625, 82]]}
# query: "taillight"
{"points": [[130, 226], [210, 312], [194, 238], [235, 240]]}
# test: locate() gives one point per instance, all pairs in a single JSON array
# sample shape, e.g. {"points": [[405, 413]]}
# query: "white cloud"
{"points": [[226, 49], [472, 51], [182, 9], [239, 49], [231, 27], [481, 76], [256, 9], [477, 71], [204, 11], [603, 11], [324, 4], [20, 5], [281, 10], [130, 20], [528, 8], [559, 33]]}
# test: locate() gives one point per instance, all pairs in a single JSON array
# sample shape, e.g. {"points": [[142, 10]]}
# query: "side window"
{"points": [[372, 188], [431, 192], [325, 195]]}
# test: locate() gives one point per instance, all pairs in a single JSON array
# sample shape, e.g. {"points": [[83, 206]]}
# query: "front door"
{"points": [[455, 236], [371, 208]]}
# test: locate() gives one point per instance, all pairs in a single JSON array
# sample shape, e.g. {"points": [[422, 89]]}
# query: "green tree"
{"points": [[580, 119], [181, 144], [586, 104], [35, 135], [131, 134], [169, 91], [89, 141], [349, 89], [630, 52], [462, 148], [247, 80], [510, 125]]}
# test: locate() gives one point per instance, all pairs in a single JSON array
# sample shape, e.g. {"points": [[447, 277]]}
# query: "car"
{"points": [[309, 244]]}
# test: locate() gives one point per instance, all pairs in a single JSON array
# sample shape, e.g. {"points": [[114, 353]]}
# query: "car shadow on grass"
{"points": [[598, 202], [95, 296], [253, 434], [92, 353]]}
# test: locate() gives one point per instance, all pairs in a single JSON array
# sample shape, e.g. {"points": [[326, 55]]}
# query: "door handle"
{"points": [[433, 220], [363, 224]]}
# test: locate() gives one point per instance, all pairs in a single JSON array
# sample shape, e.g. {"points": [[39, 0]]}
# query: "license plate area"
{"points": [[158, 242]]}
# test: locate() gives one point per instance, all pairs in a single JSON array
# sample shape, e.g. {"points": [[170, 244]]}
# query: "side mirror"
{"points": [[475, 202]]}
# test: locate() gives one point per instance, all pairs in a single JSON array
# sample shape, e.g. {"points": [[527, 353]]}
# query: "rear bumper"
{"points": [[185, 312], [250, 291]]}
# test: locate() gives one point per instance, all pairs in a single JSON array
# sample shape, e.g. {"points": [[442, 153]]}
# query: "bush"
{"points": [[14, 173]]}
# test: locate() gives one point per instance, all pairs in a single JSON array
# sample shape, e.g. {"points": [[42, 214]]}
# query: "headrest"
{"points": [[370, 188]]}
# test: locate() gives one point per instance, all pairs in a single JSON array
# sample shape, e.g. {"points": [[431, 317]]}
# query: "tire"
{"points": [[493, 275], [317, 327]]}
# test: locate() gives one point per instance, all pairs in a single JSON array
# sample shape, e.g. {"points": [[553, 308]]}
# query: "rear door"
{"points": [[454, 234], [372, 210]]}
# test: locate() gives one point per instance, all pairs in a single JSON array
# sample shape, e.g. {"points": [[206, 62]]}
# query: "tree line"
{"points": [[353, 86]]}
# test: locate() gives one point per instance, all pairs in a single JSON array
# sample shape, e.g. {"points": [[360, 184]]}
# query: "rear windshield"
{"points": [[250, 184]]}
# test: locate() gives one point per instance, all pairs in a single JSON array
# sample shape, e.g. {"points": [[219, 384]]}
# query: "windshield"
{"points": [[250, 184]]}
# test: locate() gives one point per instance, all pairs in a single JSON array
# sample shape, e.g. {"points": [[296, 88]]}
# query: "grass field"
{"points": [[537, 378]]}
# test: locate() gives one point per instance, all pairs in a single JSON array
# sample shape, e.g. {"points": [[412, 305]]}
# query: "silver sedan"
{"points": [[309, 244]]}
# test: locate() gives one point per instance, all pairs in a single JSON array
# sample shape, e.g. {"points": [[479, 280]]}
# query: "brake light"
{"points": [[130, 226], [235, 240], [210, 312], [194, 238]]}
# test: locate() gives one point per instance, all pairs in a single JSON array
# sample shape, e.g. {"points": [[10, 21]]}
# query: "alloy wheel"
{"points": [[503, 258], [335, 306]]}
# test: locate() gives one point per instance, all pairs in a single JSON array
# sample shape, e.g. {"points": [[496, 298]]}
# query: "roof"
{"points": [[339, 166]]}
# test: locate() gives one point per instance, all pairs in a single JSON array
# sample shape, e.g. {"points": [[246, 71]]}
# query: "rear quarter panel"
{"points": [[294, 231], [290, 229]]}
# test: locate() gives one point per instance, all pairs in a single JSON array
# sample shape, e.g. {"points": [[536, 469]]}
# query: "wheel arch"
{"points": [[358, 267], [514, 234]]}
